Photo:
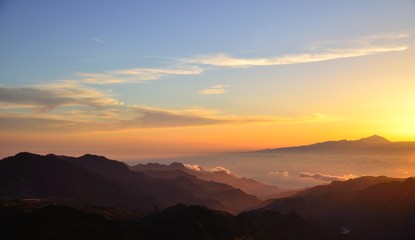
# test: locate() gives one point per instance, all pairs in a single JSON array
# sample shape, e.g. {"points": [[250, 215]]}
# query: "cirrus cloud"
{"points": [[135, 75], [363, 46], [215, 90], [225, 60]]}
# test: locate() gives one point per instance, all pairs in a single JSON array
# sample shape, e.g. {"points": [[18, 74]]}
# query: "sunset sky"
{"points": [[143, 79]]}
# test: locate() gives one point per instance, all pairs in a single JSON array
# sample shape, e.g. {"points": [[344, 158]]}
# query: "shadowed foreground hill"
{"points": [[364, 208], [230, 197], [170, 189], [27, 175], [92, 179], [177, 222]]}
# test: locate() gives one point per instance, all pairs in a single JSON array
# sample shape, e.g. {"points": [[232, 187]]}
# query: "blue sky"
{"points": [[123, 65], [54, 39]]}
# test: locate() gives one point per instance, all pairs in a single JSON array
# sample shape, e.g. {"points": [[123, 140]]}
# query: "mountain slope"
{"points": [[166, 193], [375, 210], [370, 145], [98, 180], [247, 185], [27, 175], [177, 222], [183, 188], [233, 199]]}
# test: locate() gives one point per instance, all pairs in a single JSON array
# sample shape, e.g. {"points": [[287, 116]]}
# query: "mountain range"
{"points": [[371, 145], [92, 197], [175, 169], [95, 179], [362, 208], [22, 220]]}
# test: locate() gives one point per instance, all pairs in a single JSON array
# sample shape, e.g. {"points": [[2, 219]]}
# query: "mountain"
{"points": [[166, 193], [23, 220], [27, 175], [184, 222], [363, 208], [175, 190], [231, 198], [95, 179], [370, 145], [247, 185]]}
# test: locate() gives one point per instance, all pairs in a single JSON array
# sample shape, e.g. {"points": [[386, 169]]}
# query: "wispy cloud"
{"points": [[215, 90], [154, 117], [70, 106], [363, 46], [282, 174], [326, 177], [48, 97], [224, 60], [193, 167], [197, 168], [98, 40], [387, 36], [196, 65], [220, 169], [136, 75]]}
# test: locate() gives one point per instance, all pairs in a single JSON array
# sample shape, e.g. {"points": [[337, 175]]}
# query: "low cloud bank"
{"points": [[326, 177], [197, 168]]}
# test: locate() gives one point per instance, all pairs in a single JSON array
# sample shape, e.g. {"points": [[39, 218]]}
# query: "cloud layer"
{"points": [[197, 168], [215, 90], [135, 75], [70, 106], [367, 45], [326, 177], [220, 169], [46, 98], [80, 104], [196, 65], [225, 60]]}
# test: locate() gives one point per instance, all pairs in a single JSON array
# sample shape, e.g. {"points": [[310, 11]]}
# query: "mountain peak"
{"points": [[93, 156], [374, 139], [27, 155], [177, 166]]}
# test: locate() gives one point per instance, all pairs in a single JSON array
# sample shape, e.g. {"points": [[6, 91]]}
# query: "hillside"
{"points": [[247, 185], [364, 208], [95, 179]]}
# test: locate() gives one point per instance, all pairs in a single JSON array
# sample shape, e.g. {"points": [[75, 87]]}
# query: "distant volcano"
{"points": [[375, 139], [370, 145]]}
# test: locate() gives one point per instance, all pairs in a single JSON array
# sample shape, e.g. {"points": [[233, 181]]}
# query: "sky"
{"points": [[146, 79]]}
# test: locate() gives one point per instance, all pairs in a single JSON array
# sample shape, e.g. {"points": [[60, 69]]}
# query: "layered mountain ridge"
{"points": [[175, 169], [95, 179], [90, 197]]}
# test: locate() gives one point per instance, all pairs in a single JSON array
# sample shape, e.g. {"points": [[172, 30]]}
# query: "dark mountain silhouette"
{"points": [[178, 222], [356, 184], [23, 220], [233, 199], [181, 188], [247, 185], [27, 175], [365, 208], [92, 197], [370, 145], [98, 180], [166, 193]]}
